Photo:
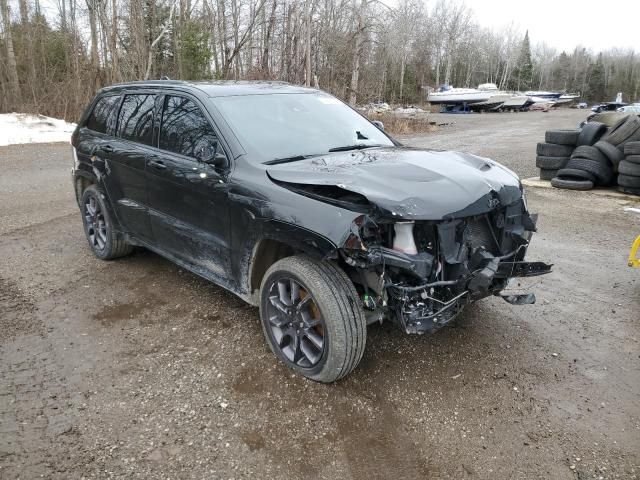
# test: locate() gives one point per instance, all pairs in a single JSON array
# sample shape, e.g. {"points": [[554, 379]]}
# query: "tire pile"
{"points": [[593, 156], [629, 169]]}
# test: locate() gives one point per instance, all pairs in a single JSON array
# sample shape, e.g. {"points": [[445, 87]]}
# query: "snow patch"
{"points": [[26, 128]]}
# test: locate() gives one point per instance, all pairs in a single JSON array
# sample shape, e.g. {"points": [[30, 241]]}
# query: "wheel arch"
{"points": [[82, 179], [281, 240]]}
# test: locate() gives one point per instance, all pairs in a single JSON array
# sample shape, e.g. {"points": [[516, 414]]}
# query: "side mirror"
{"points": [[210, 154], [378, 124], [219, 160]]}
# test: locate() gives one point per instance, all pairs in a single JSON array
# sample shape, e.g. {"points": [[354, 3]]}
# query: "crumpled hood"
{"points": [[410, 183]]}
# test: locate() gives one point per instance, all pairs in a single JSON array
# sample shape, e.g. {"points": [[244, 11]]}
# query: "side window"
{"points": [[102, 118], [136, 118], [185, 129]]}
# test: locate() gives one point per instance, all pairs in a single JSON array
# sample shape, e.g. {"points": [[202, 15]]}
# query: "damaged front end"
{"points": [[421, 274]]}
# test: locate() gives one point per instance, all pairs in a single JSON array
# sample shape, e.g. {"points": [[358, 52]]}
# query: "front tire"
{"points": [[104, 240], [312, 318]]}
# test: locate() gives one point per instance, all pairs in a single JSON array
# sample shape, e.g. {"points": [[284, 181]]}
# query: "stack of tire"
{"points": [[629, 169], [598, 154], [554, 153], [587, 165]]}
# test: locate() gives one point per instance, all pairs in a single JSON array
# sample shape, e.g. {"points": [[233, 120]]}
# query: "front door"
{"points": [[187, 197]]}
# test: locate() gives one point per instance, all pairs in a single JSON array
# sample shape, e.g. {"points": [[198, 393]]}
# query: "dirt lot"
{"points": [[138, 369]]}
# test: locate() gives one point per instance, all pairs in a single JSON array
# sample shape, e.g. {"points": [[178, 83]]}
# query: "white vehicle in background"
{"points": [[635, 108]]}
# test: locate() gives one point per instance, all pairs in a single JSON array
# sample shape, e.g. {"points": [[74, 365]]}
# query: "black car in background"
{"points": [[295, 202]]}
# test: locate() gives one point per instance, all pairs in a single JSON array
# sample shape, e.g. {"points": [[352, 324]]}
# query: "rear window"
{"points": [[136, 118], [102, 118]]}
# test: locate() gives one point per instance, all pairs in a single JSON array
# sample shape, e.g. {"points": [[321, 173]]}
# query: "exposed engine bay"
{"points": [[420, 274]]}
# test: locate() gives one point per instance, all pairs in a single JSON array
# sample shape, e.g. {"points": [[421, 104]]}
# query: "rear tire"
{"points": [[322, 338], [105, 242]]}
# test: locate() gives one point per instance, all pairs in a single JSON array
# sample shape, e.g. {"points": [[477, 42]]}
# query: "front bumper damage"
{"points": [[458, 261]]}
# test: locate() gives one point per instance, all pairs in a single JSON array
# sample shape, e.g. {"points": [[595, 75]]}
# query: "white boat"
{"points": [[517, 101], [456, 96], [537, 99], [494, 102], [541, 94]]}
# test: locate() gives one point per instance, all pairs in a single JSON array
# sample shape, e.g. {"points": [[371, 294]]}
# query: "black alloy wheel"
{"points": [[312, 317], [105, 241], [296, 324], [95, 223]]}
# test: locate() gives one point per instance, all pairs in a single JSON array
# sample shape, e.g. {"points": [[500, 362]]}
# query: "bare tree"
{"points": [[12, 69], [162, 33]]}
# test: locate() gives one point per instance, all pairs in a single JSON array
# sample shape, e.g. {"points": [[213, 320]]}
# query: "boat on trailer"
{"points": [[543, 95], [448, 95]]}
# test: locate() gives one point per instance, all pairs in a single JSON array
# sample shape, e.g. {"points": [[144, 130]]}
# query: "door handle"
{"points": [[157, 164], [106, 148]]}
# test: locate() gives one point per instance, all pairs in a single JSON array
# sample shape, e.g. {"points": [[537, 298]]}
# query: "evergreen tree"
{"points": [[596, 85], [523, 73]]}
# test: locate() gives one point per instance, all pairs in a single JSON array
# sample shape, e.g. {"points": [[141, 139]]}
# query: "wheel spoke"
{"points": [[308, 320], [304, 302], [297, 352], [277, 302], [308, 352], [278, 321], [102, 232], [282, 292], [91, 206], [295, 291], [314, 338]]}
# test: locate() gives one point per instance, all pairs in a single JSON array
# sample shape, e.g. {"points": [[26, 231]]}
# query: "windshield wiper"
{"points": [[294, 158], [346, 148]]}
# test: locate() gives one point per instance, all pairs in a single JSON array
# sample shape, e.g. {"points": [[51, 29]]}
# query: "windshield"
{"points": [[292, 125]]}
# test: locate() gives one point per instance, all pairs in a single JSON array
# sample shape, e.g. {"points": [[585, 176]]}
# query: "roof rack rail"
{"points": [[164, 77]]}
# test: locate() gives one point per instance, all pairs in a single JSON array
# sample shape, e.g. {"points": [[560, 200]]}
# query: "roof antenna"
{"points": [[164, 77]]}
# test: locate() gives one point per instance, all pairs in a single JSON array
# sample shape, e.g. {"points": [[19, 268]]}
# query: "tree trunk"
{"points": [[95, 61], [12, 68], [264, 63], [402, 68], [24, 12], [355, 65], [113, 44], [307, 60], [155, 42]]}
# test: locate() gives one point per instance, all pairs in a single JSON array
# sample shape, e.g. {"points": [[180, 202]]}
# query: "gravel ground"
{"points": [[138, 369]]}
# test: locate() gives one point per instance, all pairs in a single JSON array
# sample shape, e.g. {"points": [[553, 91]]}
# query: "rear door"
{"points": [[98, 130], [187, 197], [127, 156]]}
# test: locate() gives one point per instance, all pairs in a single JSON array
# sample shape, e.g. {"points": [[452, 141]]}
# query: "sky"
{"points": [[563, 24]]}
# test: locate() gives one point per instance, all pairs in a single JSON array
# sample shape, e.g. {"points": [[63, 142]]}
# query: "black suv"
{"points": [[295, 202]]}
